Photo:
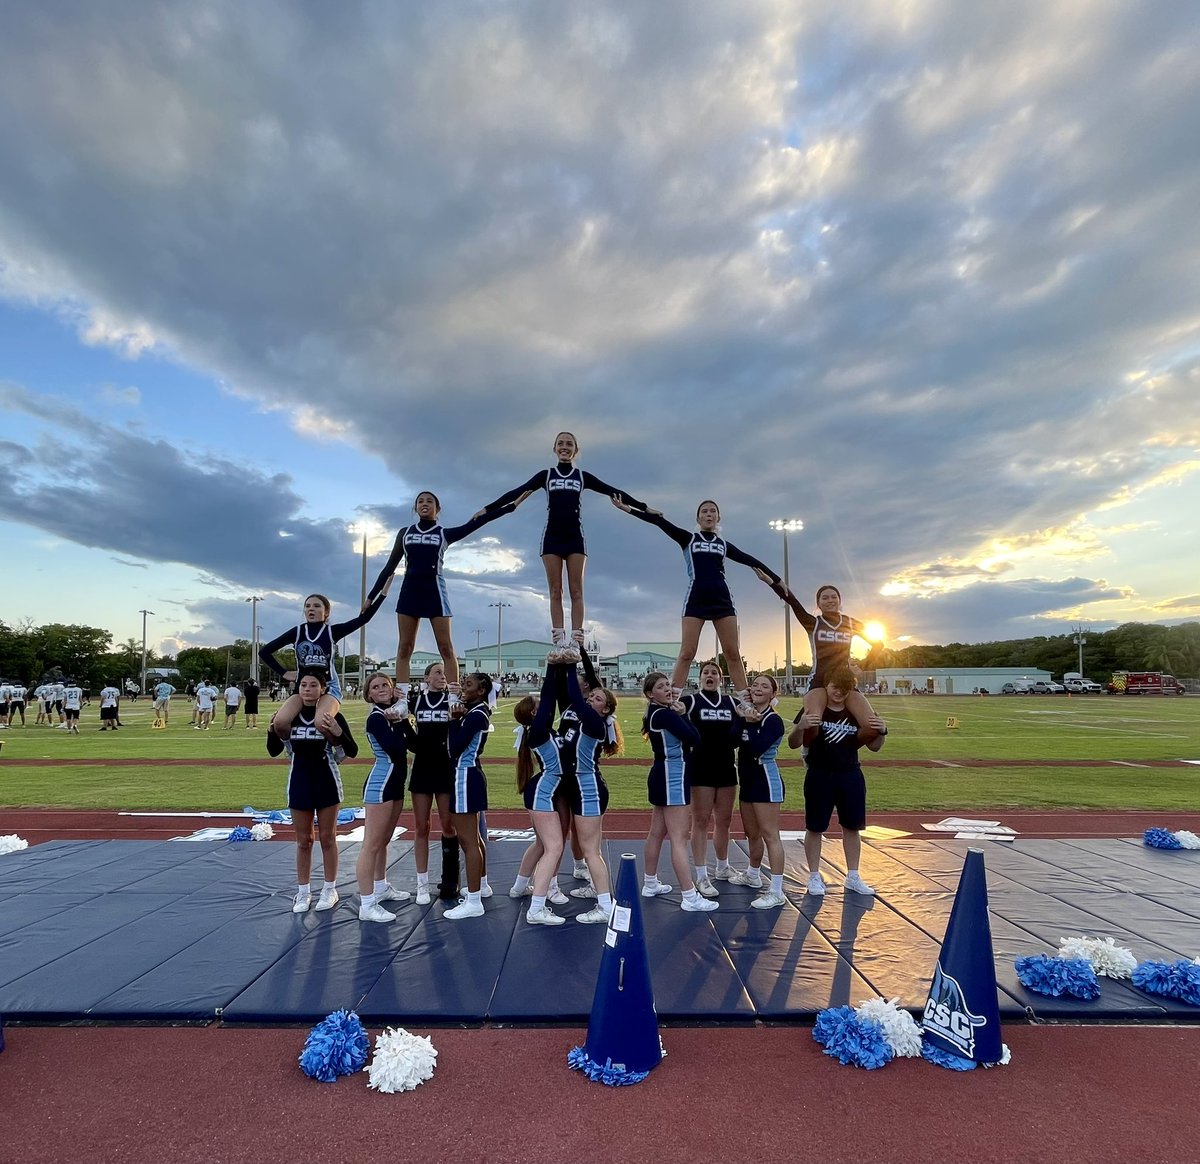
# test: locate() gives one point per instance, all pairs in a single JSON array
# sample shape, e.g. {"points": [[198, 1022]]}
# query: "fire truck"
{"points": [[1144, 683]]}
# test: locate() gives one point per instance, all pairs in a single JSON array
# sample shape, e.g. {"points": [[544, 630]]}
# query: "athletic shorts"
{"points": [[231, 709], [470, 790], [161, 705], [845, 791], [3, 710], [761, 784], [709, 605], [423, 597], [431, 776], [72, 713], [251, 705], [58, 706], [107, 713], [378, 788], [16, 705], [668, 790]]}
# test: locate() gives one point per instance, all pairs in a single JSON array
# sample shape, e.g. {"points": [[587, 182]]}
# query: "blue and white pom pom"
{"points": [[852, 1039], [1180, 980], [262, 831], [899, 1027], [13, 843], [241, 833], [1157, 838], [1107, 958], [337, 1045], [1055, 977], [402, 1061], [1187, 840]]}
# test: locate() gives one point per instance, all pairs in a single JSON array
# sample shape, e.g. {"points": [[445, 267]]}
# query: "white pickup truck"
{"points": [[1082, 687]]}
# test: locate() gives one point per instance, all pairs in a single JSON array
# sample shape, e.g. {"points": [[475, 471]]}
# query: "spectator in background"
{"points": [[162, 703], [233, 699], [250, 708]]}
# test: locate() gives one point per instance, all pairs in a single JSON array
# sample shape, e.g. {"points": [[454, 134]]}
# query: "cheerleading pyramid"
{"points": [[622, 1041], [962, 1016]]}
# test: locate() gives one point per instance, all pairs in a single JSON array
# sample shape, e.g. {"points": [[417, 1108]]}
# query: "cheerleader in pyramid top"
{"points": [[314, 640], [563, 547], [383, 797], [671, 738], [432, 780], [535, 719], [762, 789], [422, 546], [314, 786], [829, 635], [712, 771], [470, 722], [708, 598]]}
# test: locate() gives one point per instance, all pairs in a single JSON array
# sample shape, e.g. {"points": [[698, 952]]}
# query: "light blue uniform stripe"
{"points": [[380, 774], [588, 774]]}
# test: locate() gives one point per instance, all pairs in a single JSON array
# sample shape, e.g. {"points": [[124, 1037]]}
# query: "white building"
{"points": [[953, 680]]}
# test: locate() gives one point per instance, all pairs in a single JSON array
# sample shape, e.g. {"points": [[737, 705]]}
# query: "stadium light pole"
{"points": [[499, 632], [1079, 628], [143, 613], [786, 526], [254, 600]]}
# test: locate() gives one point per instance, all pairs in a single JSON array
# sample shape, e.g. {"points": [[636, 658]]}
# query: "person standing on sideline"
{"points": [[835, 779], [206, 696], [16, 703], [250, 707], [162, 703], [72, 704], [233, 700]]}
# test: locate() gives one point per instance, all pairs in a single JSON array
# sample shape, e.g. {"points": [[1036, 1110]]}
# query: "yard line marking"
{"points": [[945, 764], [1128, 764]]}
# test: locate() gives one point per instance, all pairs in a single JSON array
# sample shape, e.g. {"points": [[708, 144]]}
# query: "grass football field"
{"points": [[1023, 751]]}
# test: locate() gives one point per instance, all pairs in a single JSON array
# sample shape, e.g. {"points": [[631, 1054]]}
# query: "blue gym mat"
{"points": [[192, 931]]}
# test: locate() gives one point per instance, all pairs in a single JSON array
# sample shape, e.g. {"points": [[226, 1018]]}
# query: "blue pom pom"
{"points": [[579, 1060], [1179, 980], [241, 833], [852, 1039], [945, 1059], [1058, 976], [1158, 838], [337, 1045]]}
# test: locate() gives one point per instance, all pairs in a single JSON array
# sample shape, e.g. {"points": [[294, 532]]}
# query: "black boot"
{"points": [[448, 886]]}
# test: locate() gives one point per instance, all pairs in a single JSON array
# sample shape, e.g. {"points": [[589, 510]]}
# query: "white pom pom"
{"points": [[899, 1027], [262, 831], [401, 1061], [1188, 840], [1005, 1055], [13, 843], [1107, 958]]}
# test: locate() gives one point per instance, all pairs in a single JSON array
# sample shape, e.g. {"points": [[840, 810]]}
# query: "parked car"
{"points": [[1020, 687], [1082, 686], [1046, 687]]}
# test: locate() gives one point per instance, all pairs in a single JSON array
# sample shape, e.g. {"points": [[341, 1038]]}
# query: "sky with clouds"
{"points": [[924, 275]]}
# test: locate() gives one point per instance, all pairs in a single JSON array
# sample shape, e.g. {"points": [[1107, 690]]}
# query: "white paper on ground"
{"points": [[1010, 836]]}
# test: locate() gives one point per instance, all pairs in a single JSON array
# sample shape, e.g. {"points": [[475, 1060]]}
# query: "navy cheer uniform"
{"points": [[465, 740], [835, 778], [314, 643], [671, 738], [829, 641], [385, 781], [539, 793], [423, 548], [432, 769], [708, 596], [564, 485], [314, 778], [759, 778], [713, 763], [588, 732]]}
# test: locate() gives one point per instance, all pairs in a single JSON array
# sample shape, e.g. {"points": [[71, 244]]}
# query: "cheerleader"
{"points": [[708, 598], [383, 797], [432, 781], [314, 786], [712, 770], [761, 788], [535, 719], [422, 546], [314, 640], [671, 737], [563, 546], [470, 722], [830, 634]]}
